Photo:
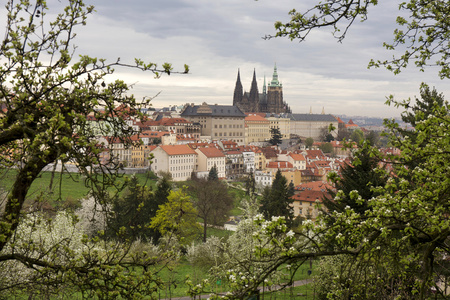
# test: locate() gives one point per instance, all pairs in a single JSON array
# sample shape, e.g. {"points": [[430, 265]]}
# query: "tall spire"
{"points": [[238, 91], [254, 93], [275, 81], [264, 86]]}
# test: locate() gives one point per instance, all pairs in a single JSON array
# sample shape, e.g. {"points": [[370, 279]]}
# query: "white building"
{"points": [[310, 125], [249, 161], [179, 160], [263, 179]]}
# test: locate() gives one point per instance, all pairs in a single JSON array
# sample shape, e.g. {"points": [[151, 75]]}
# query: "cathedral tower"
{"points": [[238, 92], [253, 98], [275, 103], [270, 101]]}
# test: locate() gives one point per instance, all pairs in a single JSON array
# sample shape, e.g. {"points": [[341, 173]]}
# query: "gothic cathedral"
{"points": [[270, 101]]}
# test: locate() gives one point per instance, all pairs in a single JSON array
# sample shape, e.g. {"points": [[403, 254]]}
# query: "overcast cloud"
{"points": [[218, 37]]}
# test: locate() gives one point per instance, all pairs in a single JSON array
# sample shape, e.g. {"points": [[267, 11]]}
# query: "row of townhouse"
{"points": [[234, 161]]}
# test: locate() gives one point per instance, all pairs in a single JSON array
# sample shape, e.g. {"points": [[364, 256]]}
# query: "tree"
{"points": [[361, 175], [398, 246], [326, 148], [343, 132], [276, 136], [421, 110], [129, 218], [325, 135], [132, 211], [212, 201], [276, 200], [357, 136], [404, 231], [177, 217], [423, 29], [213, 174], [250, 184], [373, 138], [47, 98], [309, 142]]}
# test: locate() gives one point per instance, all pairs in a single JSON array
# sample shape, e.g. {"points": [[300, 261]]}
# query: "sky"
{"points": [[216, 38]]}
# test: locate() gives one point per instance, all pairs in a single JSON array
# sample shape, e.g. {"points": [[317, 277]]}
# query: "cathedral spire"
{"points": [[254, 93], [238, 91], [264, 86], [275, 81]]}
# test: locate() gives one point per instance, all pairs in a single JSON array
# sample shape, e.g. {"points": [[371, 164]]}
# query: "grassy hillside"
{"points": [[65, 187]]}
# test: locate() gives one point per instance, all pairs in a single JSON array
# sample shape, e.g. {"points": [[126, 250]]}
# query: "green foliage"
{"points": [[213, 174], [276, 136], [177, 217], [276, 200], [250, 184], [422, 108], [212, 201], [390, 240], [357, 136], [404, 232], [132, 211], [326, 148], [49, 96], [309, 142], [423, 27], [355, 184]]}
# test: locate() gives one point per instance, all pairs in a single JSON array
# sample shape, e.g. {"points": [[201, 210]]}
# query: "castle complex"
{"points": [[269, 101]]}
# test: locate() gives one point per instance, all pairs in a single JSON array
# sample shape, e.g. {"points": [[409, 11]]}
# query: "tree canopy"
{"points": [[276, 199], [398, 246], [423, 28], [177, 217], [275, 136], [49, 96], [212, 201]]}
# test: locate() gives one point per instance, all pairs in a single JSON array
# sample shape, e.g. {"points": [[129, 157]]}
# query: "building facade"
{"points": [[257, 128], [209, 157], [219, 122], [179, 160], [310, 125]]}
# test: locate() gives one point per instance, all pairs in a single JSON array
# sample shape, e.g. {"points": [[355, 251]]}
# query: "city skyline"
{"points": [[218, 38]]}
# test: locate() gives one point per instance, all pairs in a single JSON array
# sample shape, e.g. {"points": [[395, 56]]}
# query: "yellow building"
{"points": [[282, 123], [258, 128], [218, 122]]}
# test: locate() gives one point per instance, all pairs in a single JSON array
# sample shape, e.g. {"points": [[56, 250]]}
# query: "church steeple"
{"points": [[238, 91], [264, 86], [275, 81], [254, 93]]}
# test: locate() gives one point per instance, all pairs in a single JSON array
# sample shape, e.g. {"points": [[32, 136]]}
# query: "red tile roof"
{"points": [[211, 152], [297, 157], [279, 165], [177, 149]]}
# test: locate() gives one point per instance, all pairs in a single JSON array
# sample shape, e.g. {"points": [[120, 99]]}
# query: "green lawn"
{"points": [[175, 286], [65, 186]]}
